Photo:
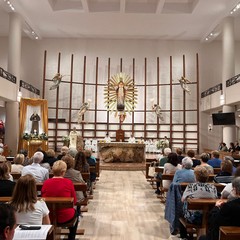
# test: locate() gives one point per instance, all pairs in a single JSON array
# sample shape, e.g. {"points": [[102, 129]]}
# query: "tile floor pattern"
{"points": [[124, 207]]}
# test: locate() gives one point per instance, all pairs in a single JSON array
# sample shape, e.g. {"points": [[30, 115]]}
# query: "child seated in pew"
{"points": [[224, 213], [29, 209], [199, 189]]}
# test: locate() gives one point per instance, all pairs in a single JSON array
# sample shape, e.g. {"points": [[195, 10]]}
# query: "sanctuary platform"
{"points": [[121, 152]]}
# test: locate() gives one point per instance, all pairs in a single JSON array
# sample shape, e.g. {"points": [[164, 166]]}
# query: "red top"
{"points": [[60, 187]]}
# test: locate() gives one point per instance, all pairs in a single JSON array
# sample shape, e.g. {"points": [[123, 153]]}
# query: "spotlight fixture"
{"points": [[235, 9], [10, 5], [29, 31]]}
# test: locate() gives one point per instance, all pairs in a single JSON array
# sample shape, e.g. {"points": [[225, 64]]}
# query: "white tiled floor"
{"points": [[124, 207]]}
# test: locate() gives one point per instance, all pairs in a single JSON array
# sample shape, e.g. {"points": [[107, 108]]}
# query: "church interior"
{"points": [[124, 79]]}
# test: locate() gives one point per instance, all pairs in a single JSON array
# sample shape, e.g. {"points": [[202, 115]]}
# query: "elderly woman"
{"points": [[18, 163], [186, 174], [58, 186], [199, 189], [6, 185], [72, 174], [224, 213]]}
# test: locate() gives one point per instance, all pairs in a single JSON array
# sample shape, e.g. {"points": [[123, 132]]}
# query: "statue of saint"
{"points": [[73, 138], [35, 123]]}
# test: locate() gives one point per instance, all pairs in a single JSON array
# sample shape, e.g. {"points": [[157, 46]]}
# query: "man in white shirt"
{"points": [[131, 139], [35, 169], [107, 139]]}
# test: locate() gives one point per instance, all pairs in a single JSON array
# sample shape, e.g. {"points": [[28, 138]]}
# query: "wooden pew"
{"points": [[53, 204], [202, 204], [16, 175], [229, 233]]}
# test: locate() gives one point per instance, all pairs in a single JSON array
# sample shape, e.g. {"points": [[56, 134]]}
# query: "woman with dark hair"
{"points": [[204, 157], [29, 209], [232, 147], [6, 185], [170, 168], [7, 221], [81, 163]]}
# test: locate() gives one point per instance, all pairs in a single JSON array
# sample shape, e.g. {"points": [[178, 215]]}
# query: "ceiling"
{"points": [[122, 19]]}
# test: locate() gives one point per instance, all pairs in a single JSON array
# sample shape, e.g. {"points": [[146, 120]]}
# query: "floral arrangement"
{"points": [[161, 144], [30, 136], [66, 138]]}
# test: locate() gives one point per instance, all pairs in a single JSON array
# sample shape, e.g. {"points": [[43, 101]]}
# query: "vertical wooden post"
{"points": [[70, 95], [145, 98], [83, 89], [184, 109], [133, 99], [158, 93], [96, 84], [198, 95], [44, 73], [109, 68]]}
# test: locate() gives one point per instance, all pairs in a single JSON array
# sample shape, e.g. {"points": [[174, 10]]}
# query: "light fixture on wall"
{"points": [[30, 31], [19, 96], [235, 9], [210, 127], [9, 5], [222, 99]]}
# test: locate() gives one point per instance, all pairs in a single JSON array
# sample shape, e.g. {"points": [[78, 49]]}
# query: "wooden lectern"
{"points": [[119, 135]]}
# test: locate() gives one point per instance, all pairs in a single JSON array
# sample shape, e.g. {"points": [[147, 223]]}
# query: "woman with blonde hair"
{"points": [[58, 186], [18, 163], [29, 209]]}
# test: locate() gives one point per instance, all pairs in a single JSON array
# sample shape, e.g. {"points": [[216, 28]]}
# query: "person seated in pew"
{"points": [[7, 221], [6, 185], [64, 151], [17, 166], [35, 169], [199, 189], [50, 158], [179, 152], [224, 213], [186, 174], [29, 209], [162, 161], [215, 162], [191, 154], [58, 186], [204, 157], [73, 175], [170, 168], [225, 175], [227, 192], [91, 160], [81, 163]]}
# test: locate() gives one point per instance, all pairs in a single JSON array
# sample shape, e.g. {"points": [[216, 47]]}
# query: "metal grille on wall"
{"points": [[157, 82]]}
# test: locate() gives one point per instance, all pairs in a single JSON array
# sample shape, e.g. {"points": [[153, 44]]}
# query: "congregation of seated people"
{"points": [[197, 175], [29, 207]]}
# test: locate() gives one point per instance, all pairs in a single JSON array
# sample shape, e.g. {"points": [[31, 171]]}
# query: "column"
{"points": [[14, 61], [228, 48]]}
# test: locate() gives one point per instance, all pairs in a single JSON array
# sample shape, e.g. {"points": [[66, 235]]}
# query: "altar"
{"points": [[121, 152]]}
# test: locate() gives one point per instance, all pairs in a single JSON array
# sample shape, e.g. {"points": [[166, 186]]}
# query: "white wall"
{"points": [[210, 61]]}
